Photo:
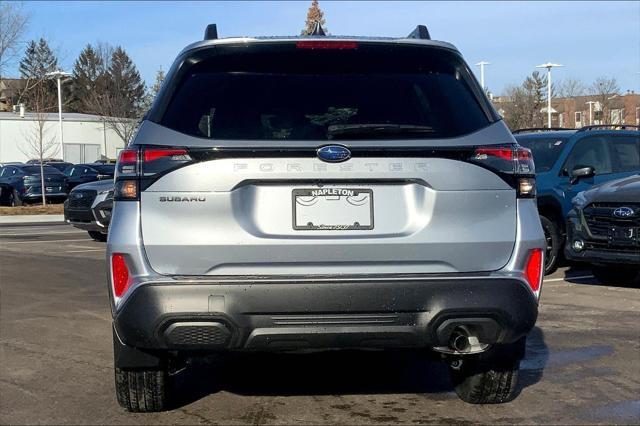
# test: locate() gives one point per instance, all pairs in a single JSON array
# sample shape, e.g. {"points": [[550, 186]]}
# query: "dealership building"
{"points": [[85, 137]]}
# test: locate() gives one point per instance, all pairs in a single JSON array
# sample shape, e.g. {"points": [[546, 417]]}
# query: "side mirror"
{"points": [[580, 172]]}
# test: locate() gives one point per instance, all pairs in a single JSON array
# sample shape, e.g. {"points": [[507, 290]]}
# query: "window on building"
{"points": [[578, 119], [617, 116]]}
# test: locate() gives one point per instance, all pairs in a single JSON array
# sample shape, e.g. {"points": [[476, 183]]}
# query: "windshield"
{"points": [[545, 150], [385, 94]]}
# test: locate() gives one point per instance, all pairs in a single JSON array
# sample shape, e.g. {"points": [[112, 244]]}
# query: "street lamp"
{"points": [[59, 75], [548, 66], [481, 64]]}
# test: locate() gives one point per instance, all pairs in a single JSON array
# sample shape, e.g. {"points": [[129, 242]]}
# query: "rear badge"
{"points": [[333, 153], [182, 199]]}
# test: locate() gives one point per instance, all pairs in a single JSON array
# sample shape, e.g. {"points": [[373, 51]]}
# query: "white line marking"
{"points": [[82, 251], [41, 233], [582, 277], [43, 241]]}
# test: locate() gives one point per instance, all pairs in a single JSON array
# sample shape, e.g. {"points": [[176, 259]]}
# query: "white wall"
{"points": [[15, 131]]}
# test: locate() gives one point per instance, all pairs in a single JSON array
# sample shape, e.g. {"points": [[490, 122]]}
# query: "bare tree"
{"points": [[38, 143], [13, 23], [571, 87], [604, 89]]}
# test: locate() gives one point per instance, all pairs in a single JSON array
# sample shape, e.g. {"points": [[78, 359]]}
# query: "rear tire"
{"points": [[489, 378], [98, 236], [141, 391], [14, 199], [552, 239], [616, 275]]}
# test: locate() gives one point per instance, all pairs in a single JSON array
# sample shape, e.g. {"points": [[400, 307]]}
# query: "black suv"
{"points": [[83, 173], [603, 228], [23, 184]]}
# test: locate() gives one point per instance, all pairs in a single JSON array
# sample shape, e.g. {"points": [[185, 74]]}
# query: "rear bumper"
{"points": [[291, 314]]}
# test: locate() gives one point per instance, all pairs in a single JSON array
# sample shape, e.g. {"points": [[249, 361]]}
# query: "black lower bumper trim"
{"points": [[301, 315]]}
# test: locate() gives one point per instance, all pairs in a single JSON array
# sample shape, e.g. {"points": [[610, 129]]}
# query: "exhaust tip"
{"points": [[459, 341]]}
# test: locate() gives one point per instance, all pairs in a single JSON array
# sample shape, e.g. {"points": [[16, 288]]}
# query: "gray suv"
{"points": [[310, 193]]}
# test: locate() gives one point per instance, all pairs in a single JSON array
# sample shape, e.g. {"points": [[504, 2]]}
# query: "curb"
{"points": [[28, 219]]}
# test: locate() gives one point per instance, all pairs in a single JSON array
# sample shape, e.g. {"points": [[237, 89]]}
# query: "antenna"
{"points": [[318, 30], [421, 32], [211, 32]]}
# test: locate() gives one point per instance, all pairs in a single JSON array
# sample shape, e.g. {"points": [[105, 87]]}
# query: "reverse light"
{"points": [[534, 269], [119, 274]]}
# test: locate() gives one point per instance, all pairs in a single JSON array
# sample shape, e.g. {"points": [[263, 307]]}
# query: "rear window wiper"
{"points": [[337, 131]]}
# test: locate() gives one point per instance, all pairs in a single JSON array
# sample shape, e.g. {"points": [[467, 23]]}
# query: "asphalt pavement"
{"points": [[582, 363]]}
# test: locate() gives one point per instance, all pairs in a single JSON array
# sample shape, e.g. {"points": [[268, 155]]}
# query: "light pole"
{"points": [[548, 66], [591, 111], [59, 75], [481, 64]]}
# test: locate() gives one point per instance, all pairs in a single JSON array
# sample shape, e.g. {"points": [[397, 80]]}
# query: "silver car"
{"points": [[311, 193]]}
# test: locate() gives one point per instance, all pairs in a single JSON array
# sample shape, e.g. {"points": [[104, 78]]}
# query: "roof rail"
{"points": [[318, 30], [539, 129], [421, 32], [610, 126], [211, 32]]}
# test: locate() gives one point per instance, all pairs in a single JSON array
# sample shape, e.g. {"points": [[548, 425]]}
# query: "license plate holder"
{"points": [[620, 235], [332, 209]]}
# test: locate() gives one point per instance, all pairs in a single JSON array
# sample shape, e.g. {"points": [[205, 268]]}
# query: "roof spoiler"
{"points": [[211, 32], [421, 32], [609, 126], [539, 129]]}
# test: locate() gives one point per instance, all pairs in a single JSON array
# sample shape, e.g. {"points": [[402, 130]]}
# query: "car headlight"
{"points": [[579, 200]]}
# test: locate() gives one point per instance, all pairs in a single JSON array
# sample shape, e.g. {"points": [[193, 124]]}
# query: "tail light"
{"points": [[513, 162], [119, 275], [534, 270], [139, 167]]}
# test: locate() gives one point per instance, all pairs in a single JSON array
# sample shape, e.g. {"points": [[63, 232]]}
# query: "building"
{"points": [[86, 137], [582, 111]]}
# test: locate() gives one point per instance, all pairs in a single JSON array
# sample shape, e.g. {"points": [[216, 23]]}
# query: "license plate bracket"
{"points": [[619, 235], [332, 209]]}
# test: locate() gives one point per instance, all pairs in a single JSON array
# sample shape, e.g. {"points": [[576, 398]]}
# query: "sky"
{"points": [[590, 38]]}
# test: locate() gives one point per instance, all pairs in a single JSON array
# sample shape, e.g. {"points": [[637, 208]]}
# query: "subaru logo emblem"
{"points": [[623, 212], [78, 195], [333, 153]]}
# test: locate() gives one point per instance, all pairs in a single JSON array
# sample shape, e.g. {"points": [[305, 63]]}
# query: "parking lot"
{"points": [[582, 363]]}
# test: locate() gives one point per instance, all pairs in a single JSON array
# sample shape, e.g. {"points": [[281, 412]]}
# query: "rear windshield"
{"points": [[107, 169], [365, 93], [545, 150], [48, 170]]}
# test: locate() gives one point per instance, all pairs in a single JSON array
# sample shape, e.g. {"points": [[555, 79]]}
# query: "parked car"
{"points": [[25, 185], [296, 193], [89, 206], [91, 172], [60, 165], [603, 229], [571, 161]]}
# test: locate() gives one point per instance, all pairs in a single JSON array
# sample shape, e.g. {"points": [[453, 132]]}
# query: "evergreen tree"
{"points": [[127, 87], [314, 14], [38, 60], [89, 79], [157, 85]]}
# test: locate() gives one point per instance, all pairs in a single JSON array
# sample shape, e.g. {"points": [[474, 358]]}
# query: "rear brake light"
{"points": [[534, 269], [119, 275], [321, 44], [512, 161], [152, 154]]}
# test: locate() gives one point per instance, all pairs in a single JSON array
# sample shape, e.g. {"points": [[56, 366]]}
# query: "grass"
{"points": [[32, 209]]}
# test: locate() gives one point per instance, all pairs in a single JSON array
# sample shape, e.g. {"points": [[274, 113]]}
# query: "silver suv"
{"points": [[309, 193]]}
